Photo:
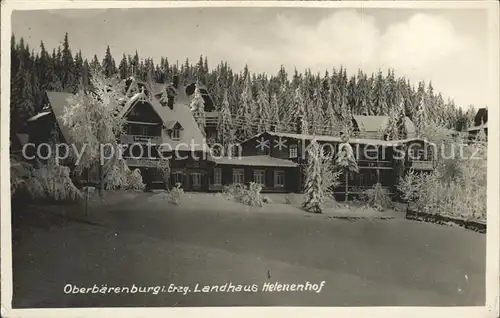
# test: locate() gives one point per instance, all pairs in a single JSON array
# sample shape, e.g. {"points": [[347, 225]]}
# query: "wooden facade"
{"points": [[379, 161], [275, 160], [273, 174]]}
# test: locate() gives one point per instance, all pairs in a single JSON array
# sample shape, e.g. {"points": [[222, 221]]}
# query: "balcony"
{"points": [[140, 163], [211, 119], [140, 139], [375, 164], [421, 165]]}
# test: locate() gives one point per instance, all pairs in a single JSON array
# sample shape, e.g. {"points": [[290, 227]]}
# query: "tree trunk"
{"points": [[346, 186], [101, 180]]}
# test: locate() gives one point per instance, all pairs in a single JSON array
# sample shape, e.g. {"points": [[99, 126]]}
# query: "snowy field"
{"points": [[141, 239]]}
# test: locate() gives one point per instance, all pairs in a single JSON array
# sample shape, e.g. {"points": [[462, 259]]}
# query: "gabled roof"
{"points": [[138, 97], [481, 115], [255, 161], [374, 123], [171, 124], [58, 101], [191, 134]]}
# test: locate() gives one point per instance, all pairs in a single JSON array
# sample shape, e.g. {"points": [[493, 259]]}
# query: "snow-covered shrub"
{"points": [[460, 193], [253, 195], [48, 182], [162, 166], [267, 200], [120, 176], [246, 195], [20, 176], [116, 176], [233, 191], [134, 180], [378, 197], [288, 198], [175, 194]]}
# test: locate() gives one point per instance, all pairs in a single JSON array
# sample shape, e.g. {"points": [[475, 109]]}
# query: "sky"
{"points": [[447, 47]]}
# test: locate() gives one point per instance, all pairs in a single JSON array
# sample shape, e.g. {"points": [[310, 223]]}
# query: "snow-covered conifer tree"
{"points": [[313, 192], [225, 129], [420, 114], [331, 122], [299, 112], [347, 162], [198, 108], [274, 113], [264, 112], [346, 115], [245, 118], [390, 131], [164, 97], [317, 113], [395, 125]]}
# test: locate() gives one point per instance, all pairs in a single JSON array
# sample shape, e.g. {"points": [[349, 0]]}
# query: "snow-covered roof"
{"points": [[256, 161], [481, 116], [39, 115], [58, 101], [171, 124], [191, 134], [374, 123], [330, 138]]}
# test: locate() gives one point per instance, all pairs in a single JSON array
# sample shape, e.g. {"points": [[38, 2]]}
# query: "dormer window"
{"points": [[176, 133], [174, 129]]}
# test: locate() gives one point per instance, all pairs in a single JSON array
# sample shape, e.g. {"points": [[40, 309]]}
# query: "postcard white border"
{"points": [[493, 247]]}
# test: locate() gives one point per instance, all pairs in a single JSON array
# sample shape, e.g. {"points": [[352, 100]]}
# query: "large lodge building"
{"points": [[273, 159]]}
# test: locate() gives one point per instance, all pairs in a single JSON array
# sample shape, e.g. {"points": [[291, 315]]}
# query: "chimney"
{"points": [[176, 81]]}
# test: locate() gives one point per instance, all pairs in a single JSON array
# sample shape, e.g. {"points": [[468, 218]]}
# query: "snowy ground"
{"points": [[140, 239], [278, 204]]}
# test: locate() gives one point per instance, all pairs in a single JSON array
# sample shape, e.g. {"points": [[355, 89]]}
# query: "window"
{"points": [[196, 179], [134, 130], [217, 176], [371, 153], [238, 176], [176, 134], [367, 178], [156, 176], [178, 177], [279, 179], [293, 151], [259, 177], [93, 173], [416, 154]]}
